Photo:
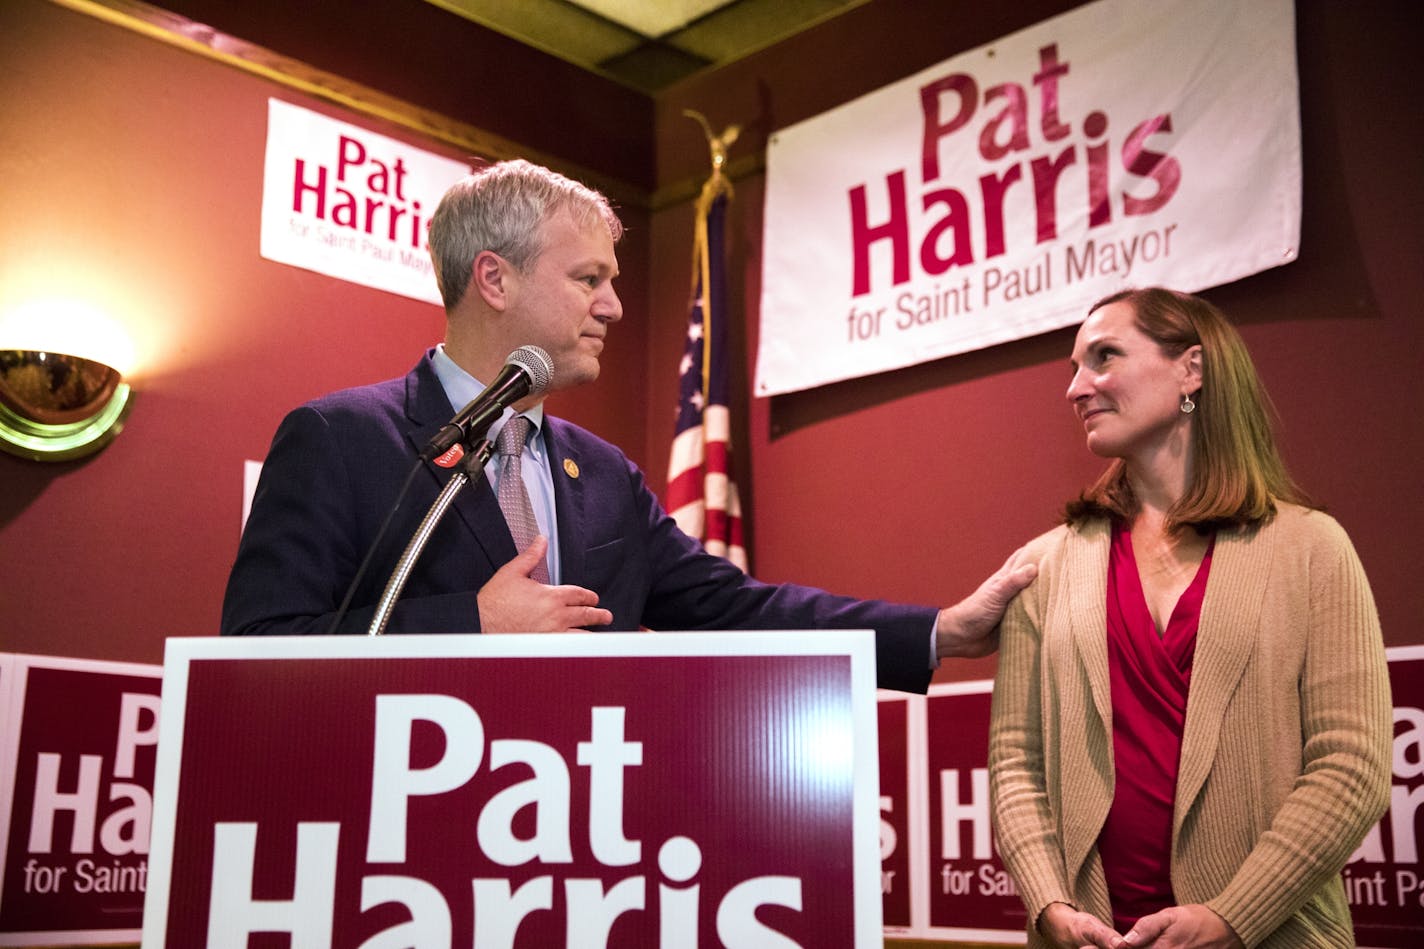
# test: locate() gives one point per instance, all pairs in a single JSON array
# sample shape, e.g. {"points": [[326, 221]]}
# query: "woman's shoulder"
{"points": [[1307, 525], [1051, 545], [1302, 535]]}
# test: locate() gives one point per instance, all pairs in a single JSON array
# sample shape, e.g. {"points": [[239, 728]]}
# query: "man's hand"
{"points": [[1181, 927], [1069, 928], [970, 628], [512, 602]]}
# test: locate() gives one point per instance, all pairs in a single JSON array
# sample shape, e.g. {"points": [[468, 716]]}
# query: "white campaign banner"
{"points": [[998, 194], [350, 203]]}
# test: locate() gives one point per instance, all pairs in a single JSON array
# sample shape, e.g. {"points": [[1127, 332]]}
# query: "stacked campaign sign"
{"points": [[78, 747], [78, 744]]}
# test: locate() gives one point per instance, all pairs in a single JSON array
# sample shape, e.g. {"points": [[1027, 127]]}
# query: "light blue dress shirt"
{"points": [[461, 387]]}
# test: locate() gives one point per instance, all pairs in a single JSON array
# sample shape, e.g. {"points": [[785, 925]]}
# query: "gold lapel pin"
{"points": [[571, 468]]}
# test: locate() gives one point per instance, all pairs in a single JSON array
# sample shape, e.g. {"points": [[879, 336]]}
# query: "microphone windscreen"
{"points": [[537, 363]]}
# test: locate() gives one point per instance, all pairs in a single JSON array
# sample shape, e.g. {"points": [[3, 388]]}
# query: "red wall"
{"points": [[133, 169]]}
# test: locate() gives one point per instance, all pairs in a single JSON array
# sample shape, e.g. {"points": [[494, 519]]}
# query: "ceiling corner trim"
{"points": [[199, 39]]}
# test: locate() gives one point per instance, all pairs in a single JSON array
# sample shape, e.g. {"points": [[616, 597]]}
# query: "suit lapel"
{"points": [[428, 409], [565, 464], [1226, 638]]}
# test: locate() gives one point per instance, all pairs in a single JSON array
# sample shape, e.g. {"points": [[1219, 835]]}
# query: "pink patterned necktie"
{"points": [[513, 497]]}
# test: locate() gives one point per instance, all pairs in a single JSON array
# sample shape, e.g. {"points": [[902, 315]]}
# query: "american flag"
{"points": [[701, 494]]}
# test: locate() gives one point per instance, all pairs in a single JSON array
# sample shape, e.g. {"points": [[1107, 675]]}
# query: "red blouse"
{"points": [[1150, 675]]}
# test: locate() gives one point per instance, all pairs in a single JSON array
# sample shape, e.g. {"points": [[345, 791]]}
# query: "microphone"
{"points": [[527, 371]]}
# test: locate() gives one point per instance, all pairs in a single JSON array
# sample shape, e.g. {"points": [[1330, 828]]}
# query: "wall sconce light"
{"points": [[55, 407]]}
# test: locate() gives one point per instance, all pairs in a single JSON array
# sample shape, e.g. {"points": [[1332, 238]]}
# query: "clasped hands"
{"points": [[1193, 926]]}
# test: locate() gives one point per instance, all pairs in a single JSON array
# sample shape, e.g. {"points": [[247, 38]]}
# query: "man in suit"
{"points": [[524, 256]]}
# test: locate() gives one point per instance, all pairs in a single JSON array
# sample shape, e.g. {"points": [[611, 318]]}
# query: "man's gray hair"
{"points": [[500, 208]]}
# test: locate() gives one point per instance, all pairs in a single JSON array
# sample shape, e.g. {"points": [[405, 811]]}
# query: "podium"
{"points": [[581, 790]]}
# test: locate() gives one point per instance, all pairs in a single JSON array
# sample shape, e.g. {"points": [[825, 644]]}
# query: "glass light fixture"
{"points": [[57, 407]]}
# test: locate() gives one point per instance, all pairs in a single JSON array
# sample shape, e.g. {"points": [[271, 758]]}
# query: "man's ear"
{"points": [[490, 278]]}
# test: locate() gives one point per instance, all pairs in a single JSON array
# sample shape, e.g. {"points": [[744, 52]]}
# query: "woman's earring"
{"points": [[1188, 406]]}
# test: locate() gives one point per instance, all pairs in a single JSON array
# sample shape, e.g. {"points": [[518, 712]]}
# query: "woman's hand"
{"points": [[1181, 927], [1069, 928]]}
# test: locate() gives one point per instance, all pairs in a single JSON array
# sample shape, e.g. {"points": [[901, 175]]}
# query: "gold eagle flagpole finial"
{"points": [[717, 146], [716, 184]]}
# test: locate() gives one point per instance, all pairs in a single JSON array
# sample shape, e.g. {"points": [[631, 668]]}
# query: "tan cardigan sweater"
{"points": [[1285, 761]]}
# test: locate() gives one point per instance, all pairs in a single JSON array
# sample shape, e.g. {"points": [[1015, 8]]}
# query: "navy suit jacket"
{"points": [[336, 466]]}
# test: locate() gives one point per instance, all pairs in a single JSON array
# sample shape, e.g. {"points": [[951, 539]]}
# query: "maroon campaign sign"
{"points": [[895, 840], [672, 790], [78, 744], [1384, 879], [971, 895], [941, 874]]}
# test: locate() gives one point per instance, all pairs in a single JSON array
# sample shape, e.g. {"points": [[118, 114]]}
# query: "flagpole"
{"points": [[702, 494]]}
